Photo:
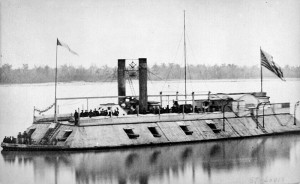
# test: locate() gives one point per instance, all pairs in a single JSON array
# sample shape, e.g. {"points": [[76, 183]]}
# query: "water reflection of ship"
{"points": [[137, 165]]}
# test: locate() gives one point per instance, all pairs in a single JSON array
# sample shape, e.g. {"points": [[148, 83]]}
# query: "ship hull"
{"points": [[22, 147], [121, 132]]}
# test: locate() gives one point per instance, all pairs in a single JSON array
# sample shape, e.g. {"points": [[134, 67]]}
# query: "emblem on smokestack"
{"points": [[142, 75]]}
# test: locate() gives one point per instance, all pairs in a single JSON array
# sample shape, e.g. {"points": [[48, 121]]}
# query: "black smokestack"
{"points": [[143, 97], [121, 80]]}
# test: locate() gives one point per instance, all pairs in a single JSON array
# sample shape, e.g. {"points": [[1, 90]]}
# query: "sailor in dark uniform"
{"points": [[96, 113], [86, 113], [167, 109], [19, 138], [5, 140], [82, 113], [91, 113], [117, 112], [76, 117]]}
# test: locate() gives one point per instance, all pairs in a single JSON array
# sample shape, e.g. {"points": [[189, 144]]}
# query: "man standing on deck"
{"points": [[76, 117]]}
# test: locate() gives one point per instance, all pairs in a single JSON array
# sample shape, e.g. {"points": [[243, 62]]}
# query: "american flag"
{"points": [[267, 62]]}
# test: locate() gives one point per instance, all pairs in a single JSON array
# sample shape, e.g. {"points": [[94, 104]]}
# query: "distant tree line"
{"points": [[169, 71], [44, 74], [223, 71]]}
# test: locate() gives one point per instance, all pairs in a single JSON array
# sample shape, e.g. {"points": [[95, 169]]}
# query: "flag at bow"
{"points": [[267, 62], [66, 46]]}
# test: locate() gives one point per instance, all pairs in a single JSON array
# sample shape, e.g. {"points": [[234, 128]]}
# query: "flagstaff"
{"points": [[184, 56], [261, 73], [55, 116], [59, 43]]}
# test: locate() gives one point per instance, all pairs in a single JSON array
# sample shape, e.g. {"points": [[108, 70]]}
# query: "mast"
{"points": [[55, 115], [184, 56], [261, 73]]}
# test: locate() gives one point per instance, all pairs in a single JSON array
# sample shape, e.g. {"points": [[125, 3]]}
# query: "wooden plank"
{"points": [[205, 130], [40, 130], [193, 127], [172, 131], [281, 123], [251, 125], [229, 131], [60, 133], [145, 136], [239, 127], [271, 124]]}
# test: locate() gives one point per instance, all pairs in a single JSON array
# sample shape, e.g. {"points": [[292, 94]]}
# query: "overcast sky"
{"points": [[102, 31]]}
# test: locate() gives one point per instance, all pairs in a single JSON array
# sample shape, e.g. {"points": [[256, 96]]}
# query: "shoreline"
{"points": [[170, 80]]}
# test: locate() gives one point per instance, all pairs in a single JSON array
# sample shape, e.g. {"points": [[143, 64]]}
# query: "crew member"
{"points": [[86, 113], [168, 109], [96, 113], [116, 112], [82, 113], [5, 140], [91, 113], [19, 138], [76, 117]]}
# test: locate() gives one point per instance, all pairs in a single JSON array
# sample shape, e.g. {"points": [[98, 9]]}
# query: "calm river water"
{"points": [[265, 160]]}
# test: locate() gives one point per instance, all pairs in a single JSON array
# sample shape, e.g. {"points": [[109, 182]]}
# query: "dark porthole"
{"points": [[130, 133], [186, 130], [154, 131], [65, 136], [213, 127]]}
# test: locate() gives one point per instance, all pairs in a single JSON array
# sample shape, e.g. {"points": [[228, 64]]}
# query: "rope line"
{"points": [[154, 75], [193, 55], [173, 60]]}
